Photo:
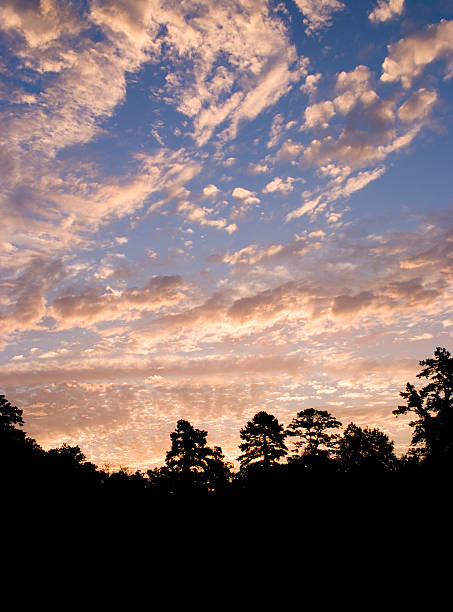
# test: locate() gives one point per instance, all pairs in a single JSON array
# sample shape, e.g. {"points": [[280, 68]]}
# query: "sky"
{"points": [[212, 208]]}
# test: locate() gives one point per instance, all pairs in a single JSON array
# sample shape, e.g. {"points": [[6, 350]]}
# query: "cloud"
{"points": [[407, 58], [354, 86], [78, 61], [72, 200], [258, 168], [346, 290], [244, 199], [278, 184], [371, 131], [210, 191], [105, 344], [336, 192], [386, 9], [80, 83], [230, 62], [359, 147], [248, 197], [319, 114], [267, 255], [95, 305], [276, 130], [23, 304], [418, 106], [318, 13], [289, 150], [198, 214], [311, 83]]}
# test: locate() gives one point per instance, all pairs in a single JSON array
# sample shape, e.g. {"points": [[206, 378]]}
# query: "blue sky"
{"points": [[215, 208]]}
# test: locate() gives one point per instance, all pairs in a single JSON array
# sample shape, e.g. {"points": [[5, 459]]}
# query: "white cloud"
{"points": [[311, 83], [244, 195], [409, 56], [353, 86], [278, 184], [386, 9], [319, 114], [210, 191]]}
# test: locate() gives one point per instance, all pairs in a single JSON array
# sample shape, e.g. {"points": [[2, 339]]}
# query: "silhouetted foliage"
{"points": [[67, 467], [123, 482], [328, 465], [218, 472], [70, 456], [10, 416], [365, 450], [310, 426], [264, 441], [19, 454], [190, 463], [432, 405]]}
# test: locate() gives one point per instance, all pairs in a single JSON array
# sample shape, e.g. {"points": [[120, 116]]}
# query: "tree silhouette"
{"points": [[432, 405], [15, 447], [310, 426], [188, 450], [264, 441], [218, 472], [66, 467], [365, 450], [10, 417], [190, 462]]}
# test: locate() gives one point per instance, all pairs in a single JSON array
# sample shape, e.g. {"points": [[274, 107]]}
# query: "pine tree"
{"points": [[264, 441], [190, 462], [310, 426]]}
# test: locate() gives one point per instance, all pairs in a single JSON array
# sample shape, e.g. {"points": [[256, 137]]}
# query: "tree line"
{"points": [[321, 452]]}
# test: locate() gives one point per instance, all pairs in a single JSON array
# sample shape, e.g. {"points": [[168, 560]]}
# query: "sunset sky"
{"points": [[216, 207]]}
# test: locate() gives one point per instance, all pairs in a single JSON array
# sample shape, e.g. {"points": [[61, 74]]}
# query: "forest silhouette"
{"points": [[327, 460]]}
